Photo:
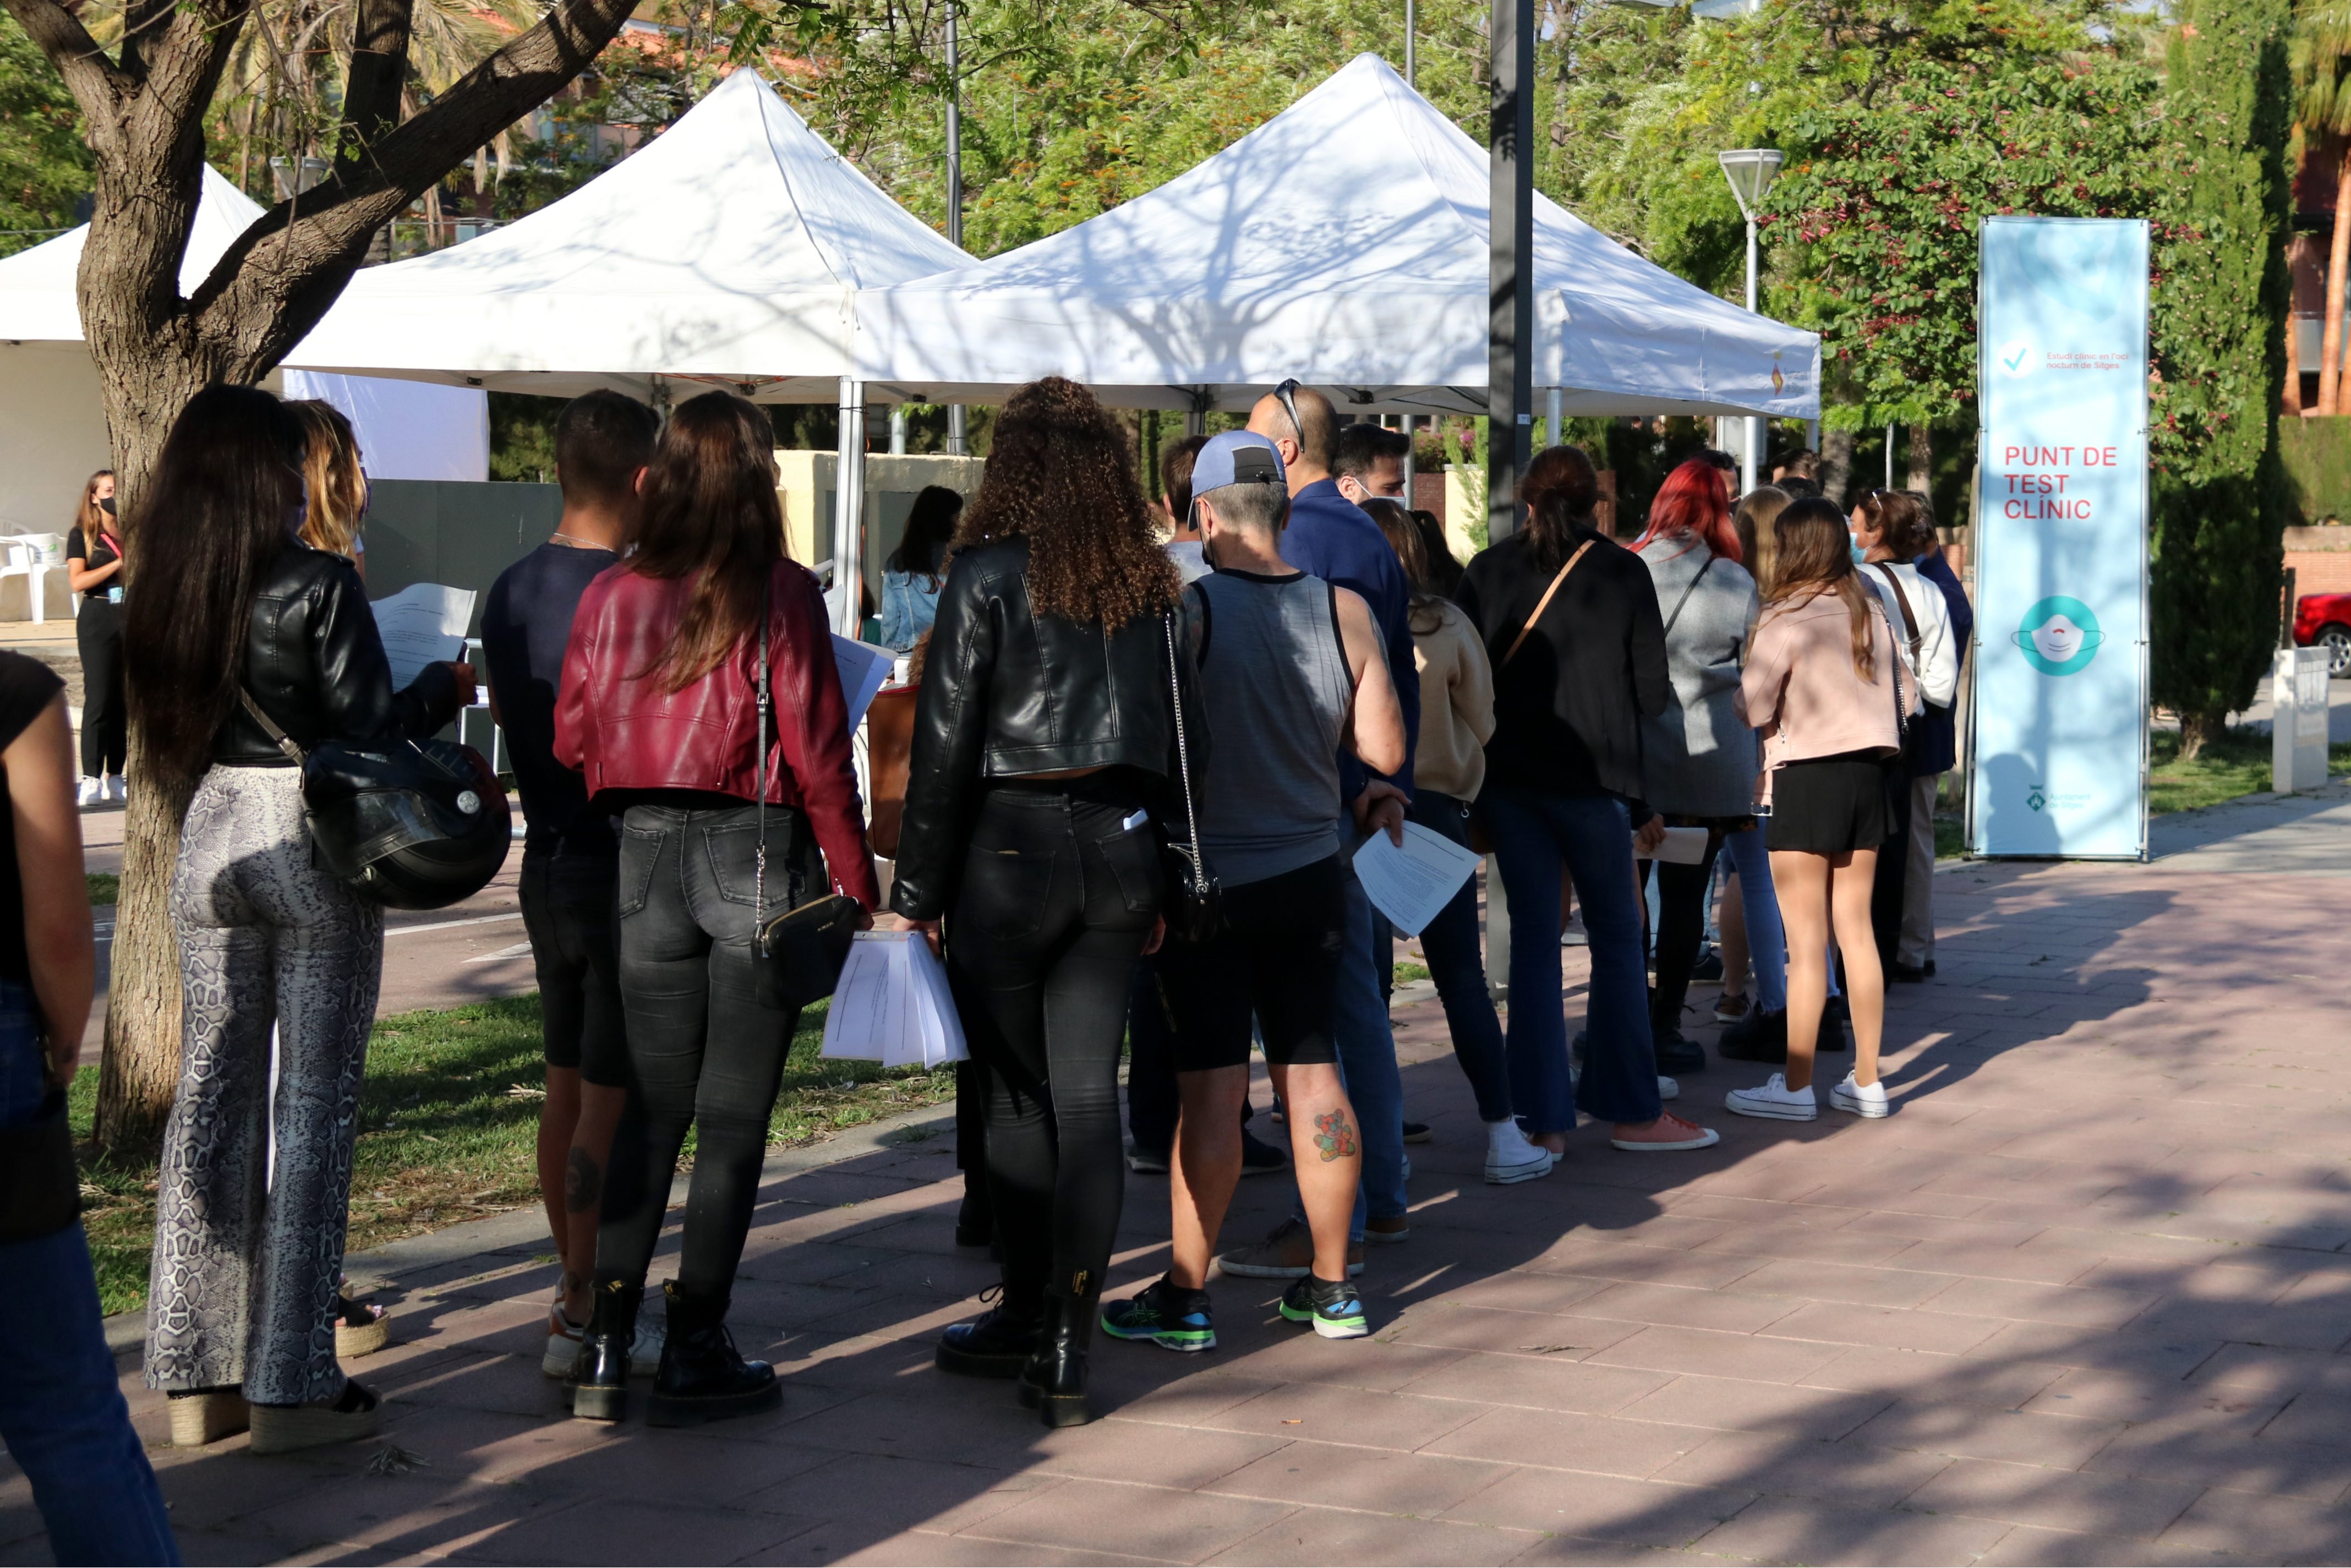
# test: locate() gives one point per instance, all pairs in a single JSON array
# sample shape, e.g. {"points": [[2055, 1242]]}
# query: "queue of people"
{"points": [[1146, 747]]}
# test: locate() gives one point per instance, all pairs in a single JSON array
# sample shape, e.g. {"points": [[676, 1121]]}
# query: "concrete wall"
{"points": [[52, 435], [431, 530]]}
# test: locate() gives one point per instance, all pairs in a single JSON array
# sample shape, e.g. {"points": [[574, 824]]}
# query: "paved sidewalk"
{"points": [[2083, 1299]]}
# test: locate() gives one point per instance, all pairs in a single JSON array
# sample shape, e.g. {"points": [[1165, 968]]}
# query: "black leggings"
{"points": [[1681, 928], [105, 726], [1057, 899], [705, 1053]]}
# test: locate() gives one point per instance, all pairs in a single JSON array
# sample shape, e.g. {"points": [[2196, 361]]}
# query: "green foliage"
{"points": [[45, 167], [2316, 454], [2222, 189]]}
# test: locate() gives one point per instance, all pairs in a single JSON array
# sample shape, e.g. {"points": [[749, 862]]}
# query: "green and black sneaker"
{"points": [[1334, 1307], [1166, 1315]]}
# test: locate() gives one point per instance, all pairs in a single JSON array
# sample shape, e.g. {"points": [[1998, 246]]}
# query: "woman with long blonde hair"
{"points": [[334, 488], [1825, 686]]}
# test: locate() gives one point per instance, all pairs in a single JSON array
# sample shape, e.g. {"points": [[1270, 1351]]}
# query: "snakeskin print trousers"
{"points": [[244, 1281]]}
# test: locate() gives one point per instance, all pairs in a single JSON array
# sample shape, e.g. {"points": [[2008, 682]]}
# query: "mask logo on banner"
{"points": [[2015, 358], [2060, 636]]}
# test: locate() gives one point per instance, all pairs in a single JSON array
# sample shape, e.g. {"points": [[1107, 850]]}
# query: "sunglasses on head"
{"points": [[1286, 392]]}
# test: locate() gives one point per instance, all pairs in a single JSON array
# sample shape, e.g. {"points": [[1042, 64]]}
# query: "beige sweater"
{"points": [[1456, 704]]}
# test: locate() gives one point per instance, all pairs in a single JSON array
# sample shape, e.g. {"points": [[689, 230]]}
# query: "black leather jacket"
{"points": [[314, 662], [1008, 692]]}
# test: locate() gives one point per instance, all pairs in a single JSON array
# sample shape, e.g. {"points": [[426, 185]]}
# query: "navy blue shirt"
{"points": [[1937, 750], [1333, 539], [525, 627]]}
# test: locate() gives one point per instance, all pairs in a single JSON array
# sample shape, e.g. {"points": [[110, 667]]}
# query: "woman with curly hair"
{"points": [[1044, 746]]}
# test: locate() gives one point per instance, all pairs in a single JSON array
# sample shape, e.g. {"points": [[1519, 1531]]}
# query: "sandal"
{"points": [[283, 1429], [1667, 1135], [361, 1327], [202, 1416]]}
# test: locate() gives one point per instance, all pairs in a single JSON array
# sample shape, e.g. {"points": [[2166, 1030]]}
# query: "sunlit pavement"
{"points": [[2083, 1299]]}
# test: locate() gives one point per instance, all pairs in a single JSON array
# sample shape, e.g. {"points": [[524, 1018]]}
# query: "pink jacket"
{"points": [[1801, 690]]}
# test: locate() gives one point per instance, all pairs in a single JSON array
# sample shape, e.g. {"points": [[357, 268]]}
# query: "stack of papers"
{"points": [[892, 1005], [1413, 884]]}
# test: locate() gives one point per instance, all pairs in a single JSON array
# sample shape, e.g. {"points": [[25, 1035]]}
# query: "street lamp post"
{"points": [[1750, 171], [956, 445]]}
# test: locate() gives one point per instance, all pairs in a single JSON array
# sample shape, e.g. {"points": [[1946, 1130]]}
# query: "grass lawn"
{"points": [[448, 1124], [105, 887]]}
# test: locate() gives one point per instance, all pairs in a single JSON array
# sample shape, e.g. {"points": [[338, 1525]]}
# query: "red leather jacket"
{"points": [[625, 733]]}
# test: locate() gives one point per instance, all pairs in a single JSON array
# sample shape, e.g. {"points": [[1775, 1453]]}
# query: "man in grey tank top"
{"points": [[1292, 671]]}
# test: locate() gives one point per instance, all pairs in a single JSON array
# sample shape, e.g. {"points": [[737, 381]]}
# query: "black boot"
{"points": [[999, 1341], [703, 1377], [1053, 1384], [600, 1372]]}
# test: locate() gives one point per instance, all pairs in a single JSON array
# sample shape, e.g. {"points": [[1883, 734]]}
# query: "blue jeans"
{"points": [[1767, 939], [1367, 1062], [61, 1412], [1458, 965], [1534, 832]]}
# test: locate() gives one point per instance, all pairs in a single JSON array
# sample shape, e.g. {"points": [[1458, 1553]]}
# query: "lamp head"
{"points": [[1750, 171]]}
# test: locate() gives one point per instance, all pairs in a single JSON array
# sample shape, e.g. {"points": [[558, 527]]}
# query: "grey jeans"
{"points": [[246, 1258]]}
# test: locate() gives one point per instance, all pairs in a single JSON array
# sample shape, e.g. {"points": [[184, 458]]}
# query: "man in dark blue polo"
{"points": [[1331, 538]]}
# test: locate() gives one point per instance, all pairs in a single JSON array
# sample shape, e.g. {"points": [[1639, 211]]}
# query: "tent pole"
{"points": [[1411, 59], [897, 429], [1509, 391], [1552, 419], [1410, 488], [956, 445], [849, 510]]}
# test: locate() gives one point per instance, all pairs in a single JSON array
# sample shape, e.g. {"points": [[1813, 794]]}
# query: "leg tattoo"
{"points": [[1334, 1135], [583, 1183]]}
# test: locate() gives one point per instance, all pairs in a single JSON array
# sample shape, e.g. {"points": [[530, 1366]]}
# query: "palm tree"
{"points": [[2320, 53]]}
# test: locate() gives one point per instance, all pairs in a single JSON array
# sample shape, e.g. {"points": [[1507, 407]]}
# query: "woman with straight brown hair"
{"points": [[1758, 1028], [661, 709], [1825, 686]]}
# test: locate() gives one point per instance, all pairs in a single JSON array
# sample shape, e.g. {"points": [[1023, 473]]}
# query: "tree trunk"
{"points": [[2292, 403], [2338, 257], [1836, 463], [1922, 459], [2197, 727]]}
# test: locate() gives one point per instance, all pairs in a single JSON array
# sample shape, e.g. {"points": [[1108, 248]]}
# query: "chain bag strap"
{"points": [[796, 958], [1196, 910]]}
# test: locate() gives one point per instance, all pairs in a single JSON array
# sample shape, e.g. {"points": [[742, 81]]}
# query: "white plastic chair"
{"points": [[32, 556]]}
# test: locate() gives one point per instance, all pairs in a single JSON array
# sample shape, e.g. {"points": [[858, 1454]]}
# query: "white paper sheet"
{"points": [[892, 1005], [1683, 846], [1411, 885], [423, 625], [864, 670]]}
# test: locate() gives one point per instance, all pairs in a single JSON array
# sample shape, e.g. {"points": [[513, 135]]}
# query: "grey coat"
{"points": [[1698, 756]]}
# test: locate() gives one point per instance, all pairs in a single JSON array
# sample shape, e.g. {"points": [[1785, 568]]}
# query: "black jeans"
{"points": [[1057, 899], [1681, 930], [705, 1053], [105, 723]]}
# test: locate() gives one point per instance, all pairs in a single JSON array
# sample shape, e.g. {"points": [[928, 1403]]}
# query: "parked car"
{"points": [[2324, 620]]}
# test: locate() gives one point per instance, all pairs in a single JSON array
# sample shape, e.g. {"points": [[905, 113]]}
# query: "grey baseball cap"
{"points": [[1237, 457]]}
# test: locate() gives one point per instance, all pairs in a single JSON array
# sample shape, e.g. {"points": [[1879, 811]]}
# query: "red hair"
{"points": [[1690, 503]]}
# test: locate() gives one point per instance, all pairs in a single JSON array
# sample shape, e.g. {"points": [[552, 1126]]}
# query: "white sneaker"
{"points": [[1669, 1088], [92, 792], [1775, 1100], [1511, 1158], [118, 788], [1862, 1101]]}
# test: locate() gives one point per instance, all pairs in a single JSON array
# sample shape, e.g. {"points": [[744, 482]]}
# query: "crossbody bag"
{"points": [[796, 958]]}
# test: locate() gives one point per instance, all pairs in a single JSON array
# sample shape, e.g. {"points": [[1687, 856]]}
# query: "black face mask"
{"points": [[107, 506]]}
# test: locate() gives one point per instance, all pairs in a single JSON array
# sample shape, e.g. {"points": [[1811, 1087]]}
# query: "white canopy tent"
{"points": [[1346, 242], [52, 418], [733, 250]]}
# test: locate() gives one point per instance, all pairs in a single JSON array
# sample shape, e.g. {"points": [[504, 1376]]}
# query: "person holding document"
{"points": [[1571, 623], [1292, 671], [242, 1303], [1457, 719], [1046, 764], [660, 711]]}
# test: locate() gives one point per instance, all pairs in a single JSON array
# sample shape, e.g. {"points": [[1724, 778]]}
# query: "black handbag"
{"points": [[796, 958], [40, 1185], [1195, 905]]}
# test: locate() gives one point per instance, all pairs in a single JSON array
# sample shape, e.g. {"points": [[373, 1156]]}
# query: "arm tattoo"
{"points": [[1334, 1135], [583, 1183]]}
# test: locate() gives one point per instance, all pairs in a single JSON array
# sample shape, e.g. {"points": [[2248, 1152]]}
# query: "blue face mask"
{"points": [[1859, 554]]}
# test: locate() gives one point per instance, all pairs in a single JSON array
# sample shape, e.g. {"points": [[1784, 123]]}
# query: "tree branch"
{"points": [[89, 75], [378, 73]]}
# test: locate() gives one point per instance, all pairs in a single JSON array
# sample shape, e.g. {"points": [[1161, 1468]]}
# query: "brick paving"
{"points": [[2084, 1298]]}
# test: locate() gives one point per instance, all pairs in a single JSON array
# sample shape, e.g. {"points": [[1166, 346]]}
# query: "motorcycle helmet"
{"points": [[410, 824]]}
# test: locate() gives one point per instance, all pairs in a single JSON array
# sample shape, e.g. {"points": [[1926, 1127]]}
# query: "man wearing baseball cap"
{"points": [[1293, 672]]}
